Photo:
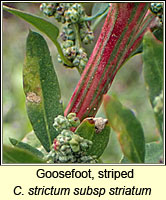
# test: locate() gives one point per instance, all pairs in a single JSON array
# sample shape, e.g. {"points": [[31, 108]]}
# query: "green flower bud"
{"points": [[67, 33], [68, 43], [57, 17], [66, 5], [88, 159], [82, 63], [61, 141], [74, 17], [60, 10], [71, 36], [60, 123], [88, 38], [70, 52], [68, 151], [73, 142], [71, 116], [67, 133], [75, 148], [78, 138], [85, 145], [76, 61], [63, 159], [71, 15], [156, 7], [48, 9], [71, 158], [73, 120], [78, 8], [67, 15], [81, 51]]}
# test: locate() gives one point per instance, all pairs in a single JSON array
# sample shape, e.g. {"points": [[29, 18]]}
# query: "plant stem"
{"points": [[77, 36], [77, 42], [119, 37]]}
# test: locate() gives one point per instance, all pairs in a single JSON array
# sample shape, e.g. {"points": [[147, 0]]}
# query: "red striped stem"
{"points": [[120, 36]]}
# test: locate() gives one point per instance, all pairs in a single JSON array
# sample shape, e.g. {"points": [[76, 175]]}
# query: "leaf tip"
{"points": [[30, 31], [90, 120], [13, 141]]}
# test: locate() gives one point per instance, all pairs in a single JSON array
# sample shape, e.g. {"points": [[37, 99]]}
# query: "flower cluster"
{"points": [[65, 123], [76, 55], [67, 146], [55, 10], [75, 30], [157, 8]]}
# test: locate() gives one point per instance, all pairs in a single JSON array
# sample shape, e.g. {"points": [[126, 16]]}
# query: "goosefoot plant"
{"points": [[76, 135]]}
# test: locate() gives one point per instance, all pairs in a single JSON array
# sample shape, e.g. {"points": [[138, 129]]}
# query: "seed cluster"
{"points": [[75, 28], [67, 146]]}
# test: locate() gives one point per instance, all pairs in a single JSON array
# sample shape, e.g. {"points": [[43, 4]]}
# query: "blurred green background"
{"points": [[128, 85]]}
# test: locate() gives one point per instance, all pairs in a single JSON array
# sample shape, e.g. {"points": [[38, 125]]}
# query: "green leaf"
{"points": [[154, 152], [153, 74], [43, 25], [86, 129], [41, 88], [26, 146], [17, 155], [128, 128], [113, 153], [100, 141]]}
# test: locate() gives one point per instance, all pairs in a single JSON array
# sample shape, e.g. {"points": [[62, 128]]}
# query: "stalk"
{"points": [[121, 34]]}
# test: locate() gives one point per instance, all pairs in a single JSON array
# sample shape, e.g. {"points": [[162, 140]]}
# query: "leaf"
{"points": [[86, 129], [43, 25], [100, 141], [154, 152], [113, 153], [128, 129], [17, 155], [41, 88], [153, 72], [26, 146]]}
